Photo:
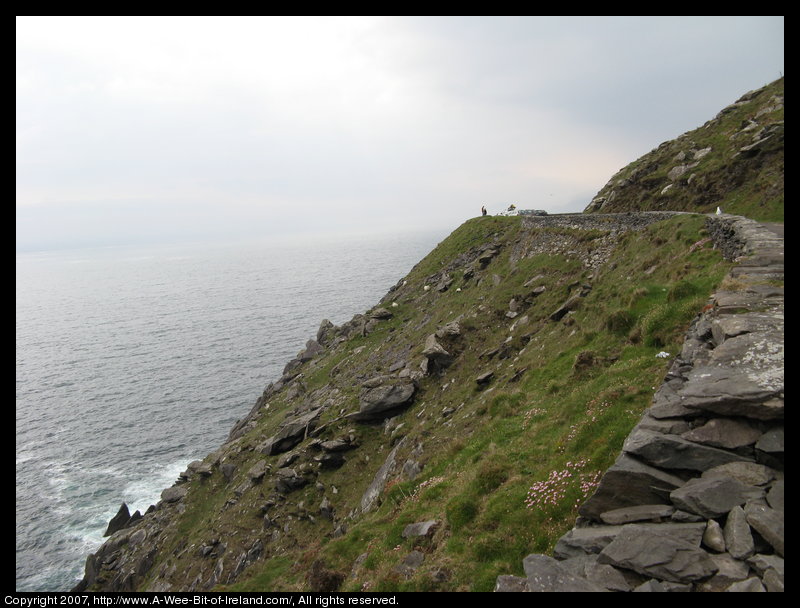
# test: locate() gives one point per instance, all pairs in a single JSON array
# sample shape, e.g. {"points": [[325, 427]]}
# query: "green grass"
{"points": [[563, 392], [752, 186]]}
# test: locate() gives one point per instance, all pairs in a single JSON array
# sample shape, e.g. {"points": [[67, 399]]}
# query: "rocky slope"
{"points": [[734, 161], [443, 437]]}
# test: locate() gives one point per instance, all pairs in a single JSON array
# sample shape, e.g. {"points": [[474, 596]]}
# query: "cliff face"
{"points": [[436, 440], [734, 161]]}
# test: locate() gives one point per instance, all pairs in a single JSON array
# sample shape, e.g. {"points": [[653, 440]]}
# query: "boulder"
{"points": [[749, 473], [422, 528], [731, 391], [410, 563], [628, 515], [291, 432], [384, 400], [326, 509], [381, 314], [484, 378], [768, 523], [713, 496], [507, 583], [138, 537], [586, 566], [775, 497], [312, 349], [287, 480], [449, 330], [674, 452], [585, 541], [593, 539], [326, 332], [337, 445], [174, 494], [228, 470], [628, 483], [119, 521], [738, 537], [369, 499], [436, 353], [658, 554], [200, 468], [545, 574], [771, 441], [571, 304], [729, 571], [257, 471], [724, 433], [762, 564], [485, 257], [713, 537], [330, 460], [751, 585], [445, 283]]}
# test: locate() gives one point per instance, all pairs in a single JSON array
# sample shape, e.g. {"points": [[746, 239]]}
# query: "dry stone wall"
{"points": [[695, 501]]}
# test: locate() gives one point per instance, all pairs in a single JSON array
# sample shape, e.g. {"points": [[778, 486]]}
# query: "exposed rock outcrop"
{"points": [[734, 160]]}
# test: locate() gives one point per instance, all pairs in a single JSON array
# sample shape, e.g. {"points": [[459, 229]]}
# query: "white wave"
{"points": [[146, 490]]}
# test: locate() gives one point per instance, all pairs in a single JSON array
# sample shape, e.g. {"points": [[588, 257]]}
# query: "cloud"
{"points": [[370, 121]]}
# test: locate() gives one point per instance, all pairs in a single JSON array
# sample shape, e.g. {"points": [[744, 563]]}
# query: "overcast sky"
{"points": [[158, 129]]}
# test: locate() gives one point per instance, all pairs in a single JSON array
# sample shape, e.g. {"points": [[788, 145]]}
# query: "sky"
{"points": [[168, 129]]}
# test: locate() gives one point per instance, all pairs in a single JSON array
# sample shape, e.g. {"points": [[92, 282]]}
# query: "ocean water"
{"points": [[133, 361]]}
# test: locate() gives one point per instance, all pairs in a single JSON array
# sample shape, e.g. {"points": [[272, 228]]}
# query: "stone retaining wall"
{"points": [[695, 500], [599, 221]]}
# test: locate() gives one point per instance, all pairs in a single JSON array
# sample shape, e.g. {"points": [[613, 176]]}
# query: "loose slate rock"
{"points": [[484, 378], [422, 528], [629, 483], [546, 574], [381, 314], [673, 452], [724, 433], [119, 521], [713, 537], [768, 523], [628, 515], [593, 539], [436, 353], [771, 441], [586, 566], [507, 583], [657, 554], [257, 471], [379, 401], [291, 433], [713, 496], [730, 392], [738, 538], [749, 473], [174, 494]]}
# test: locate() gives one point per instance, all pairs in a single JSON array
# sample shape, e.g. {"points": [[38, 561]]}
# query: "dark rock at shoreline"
{"points": [[119, 521]]}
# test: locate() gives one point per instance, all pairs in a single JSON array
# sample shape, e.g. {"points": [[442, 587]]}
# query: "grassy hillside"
{"points": [[734, 161], [502, 465], [515, 357]]}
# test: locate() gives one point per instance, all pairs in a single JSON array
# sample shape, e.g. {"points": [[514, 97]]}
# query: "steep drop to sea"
{"points": [[439, 438], [133, 361]]}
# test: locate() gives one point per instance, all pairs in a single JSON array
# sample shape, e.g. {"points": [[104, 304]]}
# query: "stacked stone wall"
{"points": [[695, 501]]}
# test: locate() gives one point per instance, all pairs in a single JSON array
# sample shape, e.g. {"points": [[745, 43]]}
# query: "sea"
{"points": [[132, 361]]}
